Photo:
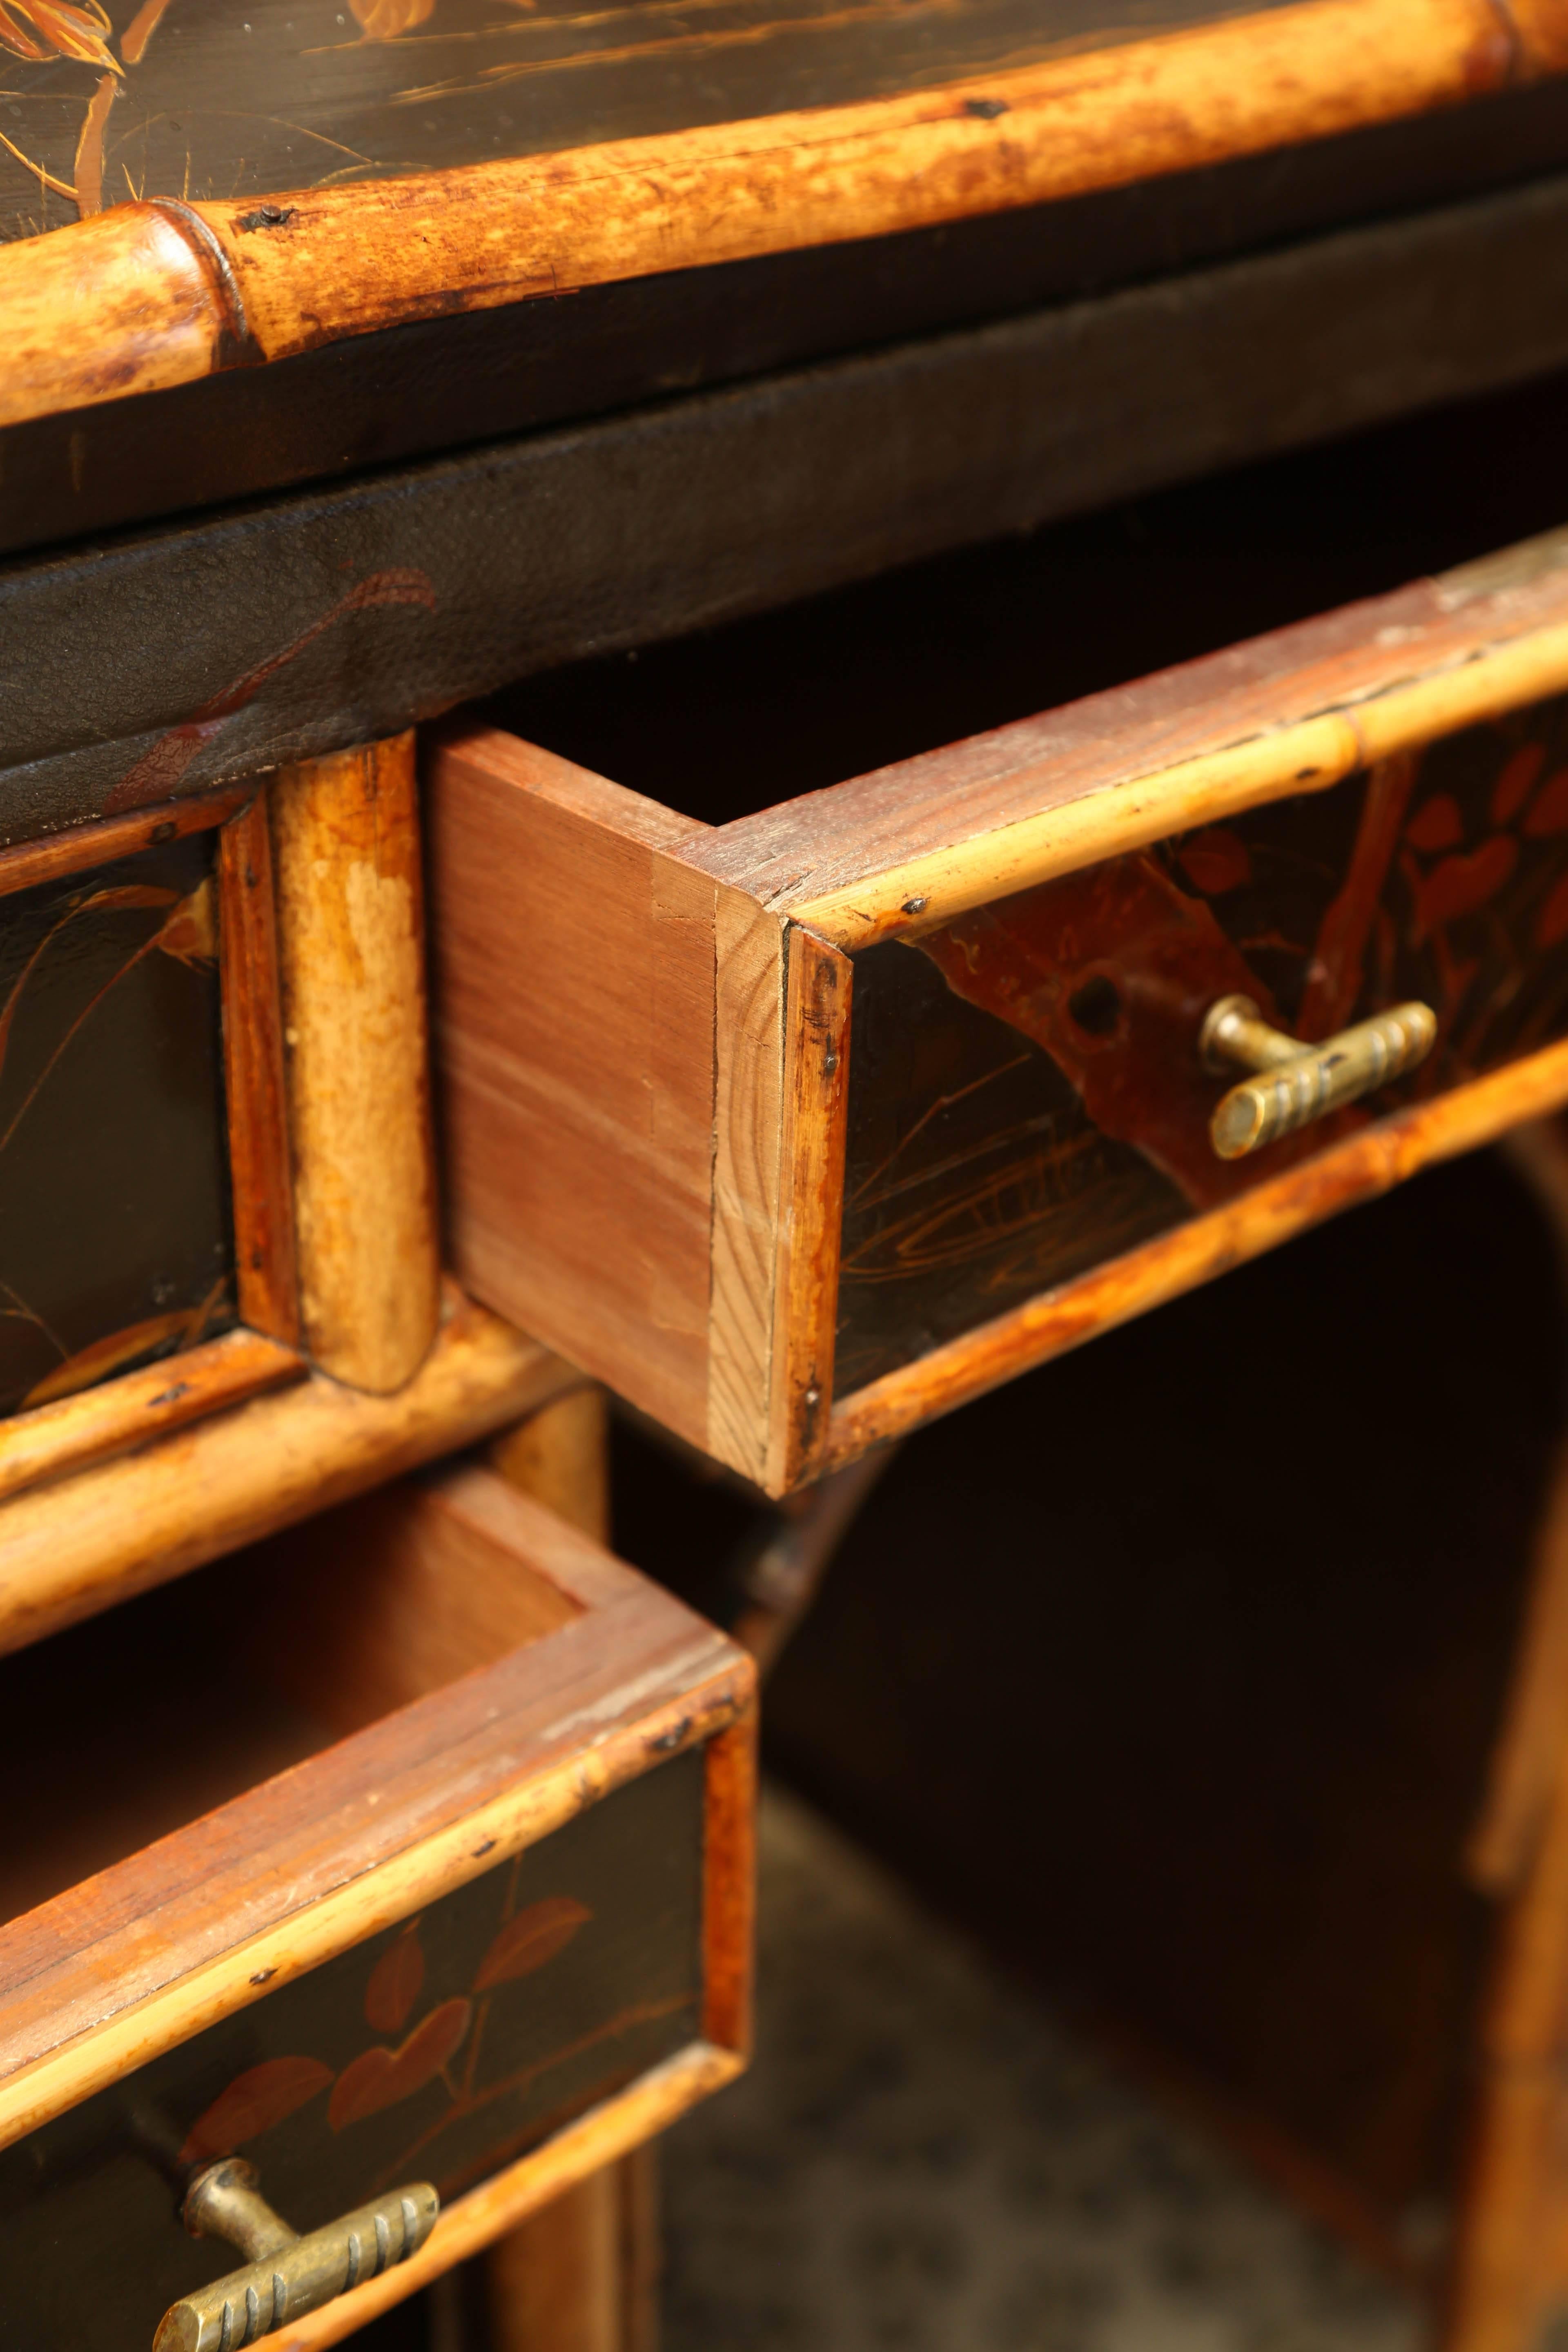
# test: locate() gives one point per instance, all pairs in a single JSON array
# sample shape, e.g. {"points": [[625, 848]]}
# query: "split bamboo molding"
{"points": [[351, 936], [69, 1549], [159, 293]]}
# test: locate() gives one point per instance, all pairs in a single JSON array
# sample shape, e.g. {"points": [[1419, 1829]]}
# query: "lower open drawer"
{"points": [[492, 1938]]}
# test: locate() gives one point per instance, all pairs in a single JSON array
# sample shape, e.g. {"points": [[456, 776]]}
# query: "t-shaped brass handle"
{"points": [[1297, 1083], [288, 2275]]}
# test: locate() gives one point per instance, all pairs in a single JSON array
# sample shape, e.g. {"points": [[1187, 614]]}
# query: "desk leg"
{"points": [[1509, 2270], [581, 2275]]}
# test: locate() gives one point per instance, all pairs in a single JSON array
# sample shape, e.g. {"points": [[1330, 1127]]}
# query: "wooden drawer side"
{"points": [[573, 971]]}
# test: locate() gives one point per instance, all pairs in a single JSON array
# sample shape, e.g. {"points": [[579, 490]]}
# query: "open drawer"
{"points": [[495, 1935], [801, 1127]]}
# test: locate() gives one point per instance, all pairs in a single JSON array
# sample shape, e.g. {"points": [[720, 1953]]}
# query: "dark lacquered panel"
{"points": [[1025, 1097], [114, 1223], [437, 2051], [225, 99]]}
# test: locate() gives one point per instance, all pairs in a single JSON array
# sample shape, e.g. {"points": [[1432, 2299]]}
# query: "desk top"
{"points": [[187, 186]]}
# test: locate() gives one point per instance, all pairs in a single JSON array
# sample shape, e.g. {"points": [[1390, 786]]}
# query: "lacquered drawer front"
{"points": [[438, 2051], [1026, 1095]]}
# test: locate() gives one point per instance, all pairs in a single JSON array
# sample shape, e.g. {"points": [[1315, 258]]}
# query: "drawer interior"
{"points": [[131, 1725], [733, 720]]}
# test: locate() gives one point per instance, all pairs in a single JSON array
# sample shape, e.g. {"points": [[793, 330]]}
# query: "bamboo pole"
{"points": [[351, 955]]}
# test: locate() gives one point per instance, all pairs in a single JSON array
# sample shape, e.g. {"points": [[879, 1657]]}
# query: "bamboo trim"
{"points": [[604, 2133], [1310, 754], [1368, 1162], [260, 1178], [115, 837], [97, 1422], [350, 943], [816, 1110], [120, 1527], [133, 301], [730, 1883]]}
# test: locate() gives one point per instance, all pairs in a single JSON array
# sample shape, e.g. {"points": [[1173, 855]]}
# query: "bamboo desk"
{"points": [[359, 361]]}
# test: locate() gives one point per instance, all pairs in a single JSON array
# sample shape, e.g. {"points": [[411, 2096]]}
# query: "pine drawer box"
{"points": [[486, 1942], [799, 1128]]}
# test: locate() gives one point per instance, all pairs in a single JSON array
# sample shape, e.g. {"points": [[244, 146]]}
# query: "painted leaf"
{"points": [[1552, 923], [395, 1983], [109, 1355], [1216, 860], [1436, 825], [1459, 885], [1511, 789], [263, 2095], [190, 934], [382, 20], [58, 28], [378, 2078], [1549, 810], [534, 1936]]}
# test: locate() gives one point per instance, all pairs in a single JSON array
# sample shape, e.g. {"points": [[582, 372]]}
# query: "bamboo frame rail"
{"points": [[162, 292]]}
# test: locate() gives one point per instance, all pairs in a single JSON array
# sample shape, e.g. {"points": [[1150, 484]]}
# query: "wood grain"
{"points": [[903, 848], [117, 836], [395, 1595], [555, 2283], [117, 1529], [165, 295], [574, 1014], [816, 1081], [351, 953], [1371, 1161], [729, 1921], [260, 1171], [367, 1832], [748, 1173], [1533, 1738], [560, 1455], [124, 1413]]}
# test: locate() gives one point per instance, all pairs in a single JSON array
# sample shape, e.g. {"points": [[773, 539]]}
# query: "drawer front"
{"points": [[499, 1877], [440, 2050], [883, 1081], [1026, 1095]]}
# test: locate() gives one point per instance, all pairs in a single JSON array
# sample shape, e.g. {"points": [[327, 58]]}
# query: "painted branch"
{"points": [[582, 2150], [352, 950], [1367, 1163], [163, 294], [68, 1551]]}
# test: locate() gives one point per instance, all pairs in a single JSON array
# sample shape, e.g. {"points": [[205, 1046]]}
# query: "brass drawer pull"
{"points": [[1295, 1083], [288, 2275]]}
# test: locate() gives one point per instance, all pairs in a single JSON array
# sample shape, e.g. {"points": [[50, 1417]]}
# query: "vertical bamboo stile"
{"points": [[581, 2274], [351, 948]]}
